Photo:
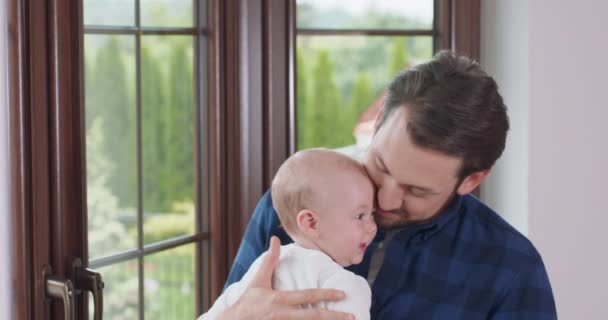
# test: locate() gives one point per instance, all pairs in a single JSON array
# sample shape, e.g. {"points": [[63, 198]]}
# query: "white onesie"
{"points": [[300, 268]]}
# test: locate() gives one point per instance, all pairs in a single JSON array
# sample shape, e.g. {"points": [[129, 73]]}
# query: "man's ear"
{"points": [[472, 181], [308, 223]]}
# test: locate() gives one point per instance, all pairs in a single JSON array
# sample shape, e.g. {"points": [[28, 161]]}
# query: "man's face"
{"points": [[413, 184]]}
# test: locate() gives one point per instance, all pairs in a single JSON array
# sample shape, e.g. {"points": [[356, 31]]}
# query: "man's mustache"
{"points": [[400, 212]]}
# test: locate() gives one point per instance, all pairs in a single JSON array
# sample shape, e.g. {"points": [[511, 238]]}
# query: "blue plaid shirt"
{"points": [[468, 263]]}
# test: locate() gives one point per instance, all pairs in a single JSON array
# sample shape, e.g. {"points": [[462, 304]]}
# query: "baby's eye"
{"points": [[360, 216]]}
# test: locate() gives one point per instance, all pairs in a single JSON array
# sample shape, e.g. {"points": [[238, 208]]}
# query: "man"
{"points": [[441, 253]]}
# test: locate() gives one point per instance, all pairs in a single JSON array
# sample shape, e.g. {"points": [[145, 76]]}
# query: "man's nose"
{"points": [[390, 197]]}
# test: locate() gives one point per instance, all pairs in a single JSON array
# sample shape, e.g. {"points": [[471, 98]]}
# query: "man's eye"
{"points": [[417, 192], [380, 166]]}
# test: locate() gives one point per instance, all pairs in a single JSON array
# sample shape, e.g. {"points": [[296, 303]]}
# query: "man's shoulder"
{"points": [[264, 207], [506, 261], [264, 216], [493, 234]]}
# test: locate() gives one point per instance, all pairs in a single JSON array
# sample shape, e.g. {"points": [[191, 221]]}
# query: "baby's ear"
{"points": [[308, 223]]}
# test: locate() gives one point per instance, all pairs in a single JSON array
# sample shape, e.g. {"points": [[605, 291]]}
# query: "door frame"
{"points": [[46, 132], [251, 132], [46, 143]]}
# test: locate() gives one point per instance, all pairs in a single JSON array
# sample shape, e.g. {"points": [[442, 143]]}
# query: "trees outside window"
{"points": [[346, 55]]}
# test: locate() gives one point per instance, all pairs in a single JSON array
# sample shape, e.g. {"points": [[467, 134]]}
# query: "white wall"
{"points": [[564, 138], [504, 55], [568, 154], [5, 274]]}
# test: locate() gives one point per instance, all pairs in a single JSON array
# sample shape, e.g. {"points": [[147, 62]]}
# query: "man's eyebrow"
{"points": [[403, 185]]}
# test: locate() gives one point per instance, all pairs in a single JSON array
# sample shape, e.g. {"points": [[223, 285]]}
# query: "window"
{"points": [[347, 52], [148, 230], [155, 248]]}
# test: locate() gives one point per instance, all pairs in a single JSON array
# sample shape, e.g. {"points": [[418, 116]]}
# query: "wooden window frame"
{"points": [[251, 111], [260, 56], [46, 132], [201, 237]]}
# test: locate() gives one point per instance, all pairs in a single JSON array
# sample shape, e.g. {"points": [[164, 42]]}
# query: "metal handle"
{"points": [[89, 280], [58, 288]]}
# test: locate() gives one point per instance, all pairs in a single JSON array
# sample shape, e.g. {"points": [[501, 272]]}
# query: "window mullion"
{"points": [[140, 235], [364, 32]]}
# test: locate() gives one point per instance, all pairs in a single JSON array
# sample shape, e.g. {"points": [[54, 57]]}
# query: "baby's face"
{"points": [[347, 224]]}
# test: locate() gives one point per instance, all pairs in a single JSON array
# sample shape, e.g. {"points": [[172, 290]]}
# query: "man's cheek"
{"points": [[376, 179]]}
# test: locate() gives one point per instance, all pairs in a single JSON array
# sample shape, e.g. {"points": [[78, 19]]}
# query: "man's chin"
{"points": [[389, 221], [389, 225]]}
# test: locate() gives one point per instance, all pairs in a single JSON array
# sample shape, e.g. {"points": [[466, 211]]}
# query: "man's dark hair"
{"points": [[452, 107]]}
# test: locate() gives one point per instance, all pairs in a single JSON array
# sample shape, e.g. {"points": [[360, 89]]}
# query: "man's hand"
{"points": [[260, 301]]}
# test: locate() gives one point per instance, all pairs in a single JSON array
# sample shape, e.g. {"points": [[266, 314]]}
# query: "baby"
{"points": [[324, 201]]}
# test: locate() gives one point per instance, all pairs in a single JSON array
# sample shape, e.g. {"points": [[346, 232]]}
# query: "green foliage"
{"points": [[121, 298], [302, 101], [313, 16], [167, 125], [323, 119], [167, 175], [166, 226], [324, 113], [399, 60], [169, 285], [336, 83], [159, 227], [362, 96], [108, 99], [154, 147], [106, 233], [180, 128]]}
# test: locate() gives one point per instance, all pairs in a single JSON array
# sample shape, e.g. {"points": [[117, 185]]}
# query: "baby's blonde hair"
{"points": [[298, 182]]}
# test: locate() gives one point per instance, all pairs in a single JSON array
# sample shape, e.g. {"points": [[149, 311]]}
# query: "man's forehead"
{"points": [[408, 162]]}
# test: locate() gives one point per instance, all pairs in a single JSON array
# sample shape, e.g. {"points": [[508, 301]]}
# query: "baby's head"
{"points": [[325, 201]]}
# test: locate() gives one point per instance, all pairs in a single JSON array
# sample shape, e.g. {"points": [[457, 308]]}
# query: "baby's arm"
{"points": [[358, 294]]}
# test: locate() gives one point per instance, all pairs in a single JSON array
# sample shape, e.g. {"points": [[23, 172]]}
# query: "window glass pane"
{"points": [[110, 144], [167, 13], [340, 82], [167, 136], [169, 284], [365, 14], [121, 292], [109, 12]]}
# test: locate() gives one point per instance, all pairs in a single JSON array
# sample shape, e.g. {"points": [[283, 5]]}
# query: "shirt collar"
{"points": [[429, 228]]}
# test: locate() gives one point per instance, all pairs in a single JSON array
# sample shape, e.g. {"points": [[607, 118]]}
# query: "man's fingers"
{"points": [[308, 296], [263, 278]]}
